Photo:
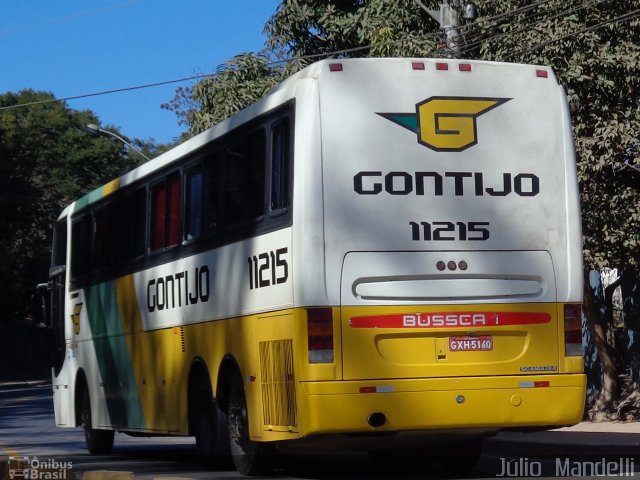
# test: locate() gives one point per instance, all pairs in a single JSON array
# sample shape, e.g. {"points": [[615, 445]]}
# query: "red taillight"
{"points": [[573, 330], [320, 335]]}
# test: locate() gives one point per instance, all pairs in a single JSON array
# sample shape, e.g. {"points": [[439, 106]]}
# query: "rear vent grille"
{"points": [[278, 385]]}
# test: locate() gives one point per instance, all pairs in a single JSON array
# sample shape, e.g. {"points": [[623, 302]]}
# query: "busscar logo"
{"points": [[446, 124], [75, 317]]}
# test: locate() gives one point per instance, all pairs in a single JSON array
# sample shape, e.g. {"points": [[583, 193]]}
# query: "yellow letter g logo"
{"points": [[449, 123], [446, 124]]}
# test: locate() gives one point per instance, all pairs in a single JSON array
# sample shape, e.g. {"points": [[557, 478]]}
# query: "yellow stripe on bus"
{"points": [[155, 360]]}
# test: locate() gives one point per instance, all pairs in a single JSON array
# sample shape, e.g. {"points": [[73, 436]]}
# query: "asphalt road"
{"points": [[27, 430]]}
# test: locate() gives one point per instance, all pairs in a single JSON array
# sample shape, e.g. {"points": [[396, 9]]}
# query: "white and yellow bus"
{"points": [[382, 247]]}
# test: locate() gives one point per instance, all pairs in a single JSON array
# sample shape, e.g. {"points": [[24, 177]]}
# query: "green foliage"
{"points": [[46, 161], [595, 52], [237, 84], [593, 46], [375, 28]]}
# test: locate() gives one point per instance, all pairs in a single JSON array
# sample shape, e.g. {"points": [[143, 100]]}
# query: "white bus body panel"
{"points": [[527, 138]]}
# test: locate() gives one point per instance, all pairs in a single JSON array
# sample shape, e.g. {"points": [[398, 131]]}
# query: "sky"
{"points": [[78, 47]]}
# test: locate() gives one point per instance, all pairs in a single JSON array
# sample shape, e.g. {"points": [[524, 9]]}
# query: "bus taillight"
{"points": [[320, 335], [573, 330]]}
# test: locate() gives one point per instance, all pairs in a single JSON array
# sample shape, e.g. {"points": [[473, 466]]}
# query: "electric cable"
{"points": [[620, 19], [274, 63]]}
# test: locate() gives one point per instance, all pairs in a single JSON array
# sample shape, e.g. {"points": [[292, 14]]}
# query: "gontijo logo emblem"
{"points": [[446, 124]]}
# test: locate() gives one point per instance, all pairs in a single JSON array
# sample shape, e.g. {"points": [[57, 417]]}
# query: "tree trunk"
{"points": [[601, 331], [630, 286]]}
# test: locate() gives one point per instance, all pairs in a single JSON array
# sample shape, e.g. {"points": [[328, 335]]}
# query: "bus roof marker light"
{"points": [[335, 67], [442, 66], [464, 67], [417, 65], [542, 73]]}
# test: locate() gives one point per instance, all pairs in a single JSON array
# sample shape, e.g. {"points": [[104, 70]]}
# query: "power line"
{"points": [[620, 19], [206, 75], [107, 92], [67, 18], [528, 26], [433, 36], [505, 15]]}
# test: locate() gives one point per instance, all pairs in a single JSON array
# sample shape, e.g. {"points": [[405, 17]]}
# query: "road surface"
{"points": [[27, 432]]}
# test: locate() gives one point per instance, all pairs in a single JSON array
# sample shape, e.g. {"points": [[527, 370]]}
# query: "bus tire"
{"points": [[249, 458], [210, 428], [97, 441]]}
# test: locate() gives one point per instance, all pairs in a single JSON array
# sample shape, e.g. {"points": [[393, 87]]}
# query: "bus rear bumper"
{"points": [[490, 403]]}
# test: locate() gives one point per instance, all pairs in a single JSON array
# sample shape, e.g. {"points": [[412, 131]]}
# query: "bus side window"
{"points": [[101, 239], [158, 215], [59, 250], [138, 226], [212, 192], [81, 246], [194, 203], [244, 172], [165, 212], [280, 153], [131, 225]]}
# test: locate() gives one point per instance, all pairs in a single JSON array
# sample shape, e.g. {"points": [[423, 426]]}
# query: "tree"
{"points": [[238, 83], [46, 161]]}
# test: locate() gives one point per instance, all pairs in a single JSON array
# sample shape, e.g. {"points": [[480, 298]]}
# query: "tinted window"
{"points": [[59, 253], [138, 223], [194, 203], [81, 246], [280, 165], [101, 239], [165, 212], [244, 179]]}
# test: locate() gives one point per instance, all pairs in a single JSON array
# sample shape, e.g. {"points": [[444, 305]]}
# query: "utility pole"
{"points": [[448, 17]]}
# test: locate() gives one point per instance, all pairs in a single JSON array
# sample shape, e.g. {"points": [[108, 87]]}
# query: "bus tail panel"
{"points": [[413, 315], [459, 404]]}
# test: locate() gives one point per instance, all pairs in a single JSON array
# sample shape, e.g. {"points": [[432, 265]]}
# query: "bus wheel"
{"points": [[97, 441], [249, 458], [211, 432]]}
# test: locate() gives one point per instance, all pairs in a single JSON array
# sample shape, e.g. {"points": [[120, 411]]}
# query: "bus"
{"points": [[381, 253]]}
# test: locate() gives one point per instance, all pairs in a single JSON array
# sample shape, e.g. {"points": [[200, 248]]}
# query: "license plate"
{"points": [[471, 344]]}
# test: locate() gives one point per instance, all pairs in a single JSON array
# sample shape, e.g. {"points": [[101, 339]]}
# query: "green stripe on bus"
{"points": [[114, 359]]}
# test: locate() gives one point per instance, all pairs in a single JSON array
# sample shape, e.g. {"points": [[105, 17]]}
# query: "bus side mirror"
{"points": [[42, 290]]}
